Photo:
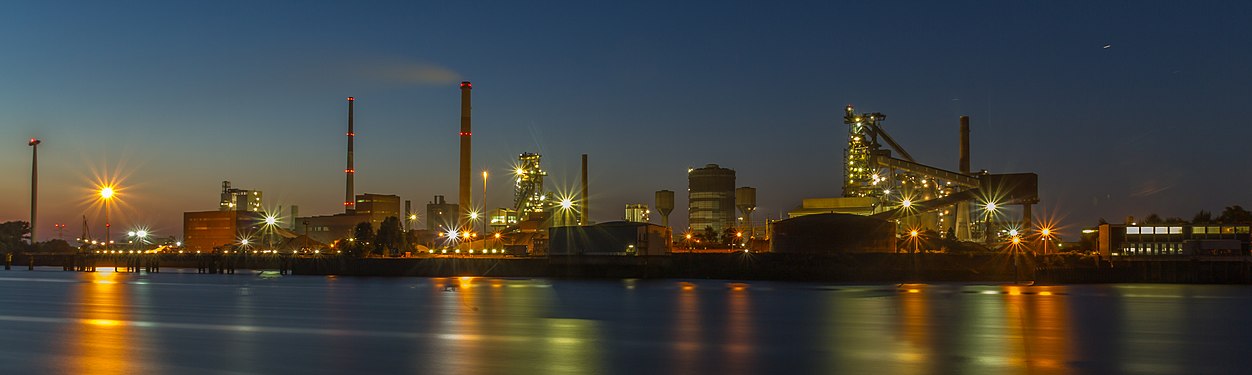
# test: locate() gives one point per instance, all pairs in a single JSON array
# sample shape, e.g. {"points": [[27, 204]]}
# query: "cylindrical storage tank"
{"points": [[833, 233], [665, 205], [665, 201], [711, 198], [745, 198]]}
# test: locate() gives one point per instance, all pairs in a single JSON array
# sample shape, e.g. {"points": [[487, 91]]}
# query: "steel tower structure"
{"points": [[528, 194]]}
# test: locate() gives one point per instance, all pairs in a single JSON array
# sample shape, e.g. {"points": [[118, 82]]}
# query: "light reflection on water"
{"points": [[104, 343], [110, 323]]}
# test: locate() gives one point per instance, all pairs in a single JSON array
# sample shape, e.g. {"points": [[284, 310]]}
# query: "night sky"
{"points": [[1122, 108]]}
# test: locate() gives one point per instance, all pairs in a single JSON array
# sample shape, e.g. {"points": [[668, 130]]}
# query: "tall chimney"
{"points": [[34, 189], [408, 213], [585, 220], [295, 213], [349, 201], [964, 163], [962, 219], [464, 190]]}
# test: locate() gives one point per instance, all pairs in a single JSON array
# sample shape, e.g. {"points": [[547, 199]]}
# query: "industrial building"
{"points": [[1174, 239], [711, 198], [615, 238], [378, 207], [502, 218], [239, 199], [833, 233], [886, 182], [843, 205], [528, 193], [638, 213], [371, 208], [440, 215], [206, 231]]}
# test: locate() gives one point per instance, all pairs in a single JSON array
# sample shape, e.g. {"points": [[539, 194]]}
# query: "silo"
{"points": [[665, 205], [745, 200]]}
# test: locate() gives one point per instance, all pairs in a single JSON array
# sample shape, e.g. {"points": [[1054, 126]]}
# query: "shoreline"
{"points": [[895, 268]]}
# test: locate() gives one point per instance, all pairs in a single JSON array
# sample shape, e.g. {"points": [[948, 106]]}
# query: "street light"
{"points": [[138, 237], [1045, 234], [271, 221], [106, 194], [913, 234], [990, 208]]}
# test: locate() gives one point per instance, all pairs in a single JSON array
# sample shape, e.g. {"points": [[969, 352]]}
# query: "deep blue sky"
{"points": [[178, 96]]}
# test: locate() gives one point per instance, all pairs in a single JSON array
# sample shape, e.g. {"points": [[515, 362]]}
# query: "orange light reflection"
{"points": [[103, 343]]}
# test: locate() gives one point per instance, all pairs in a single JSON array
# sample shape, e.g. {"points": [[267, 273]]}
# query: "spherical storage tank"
{"points": [[833, 233]]}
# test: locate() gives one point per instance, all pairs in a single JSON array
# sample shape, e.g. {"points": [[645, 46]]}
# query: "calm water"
{"points": [[115, 323]]}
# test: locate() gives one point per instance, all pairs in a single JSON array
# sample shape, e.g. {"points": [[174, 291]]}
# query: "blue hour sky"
{"points": [[174, 97]]}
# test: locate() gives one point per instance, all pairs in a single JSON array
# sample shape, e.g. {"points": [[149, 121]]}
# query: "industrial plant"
{"points": [[889, 203], [887, 199], [463, 227], [884, 183], [886, 195]]}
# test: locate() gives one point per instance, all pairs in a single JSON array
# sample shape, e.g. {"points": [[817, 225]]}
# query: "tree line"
{"points": [[365, 241], [15, 237]]}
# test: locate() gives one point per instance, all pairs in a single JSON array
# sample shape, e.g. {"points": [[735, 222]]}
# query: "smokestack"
{"points": [[349, 201], [34, 188], [408, 213], [962, 219], [585, 219], [464, 200], [295, 213], [964, 163]]}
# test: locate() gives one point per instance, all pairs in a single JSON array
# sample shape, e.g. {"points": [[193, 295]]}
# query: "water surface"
{"points": [[119, 323]]}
